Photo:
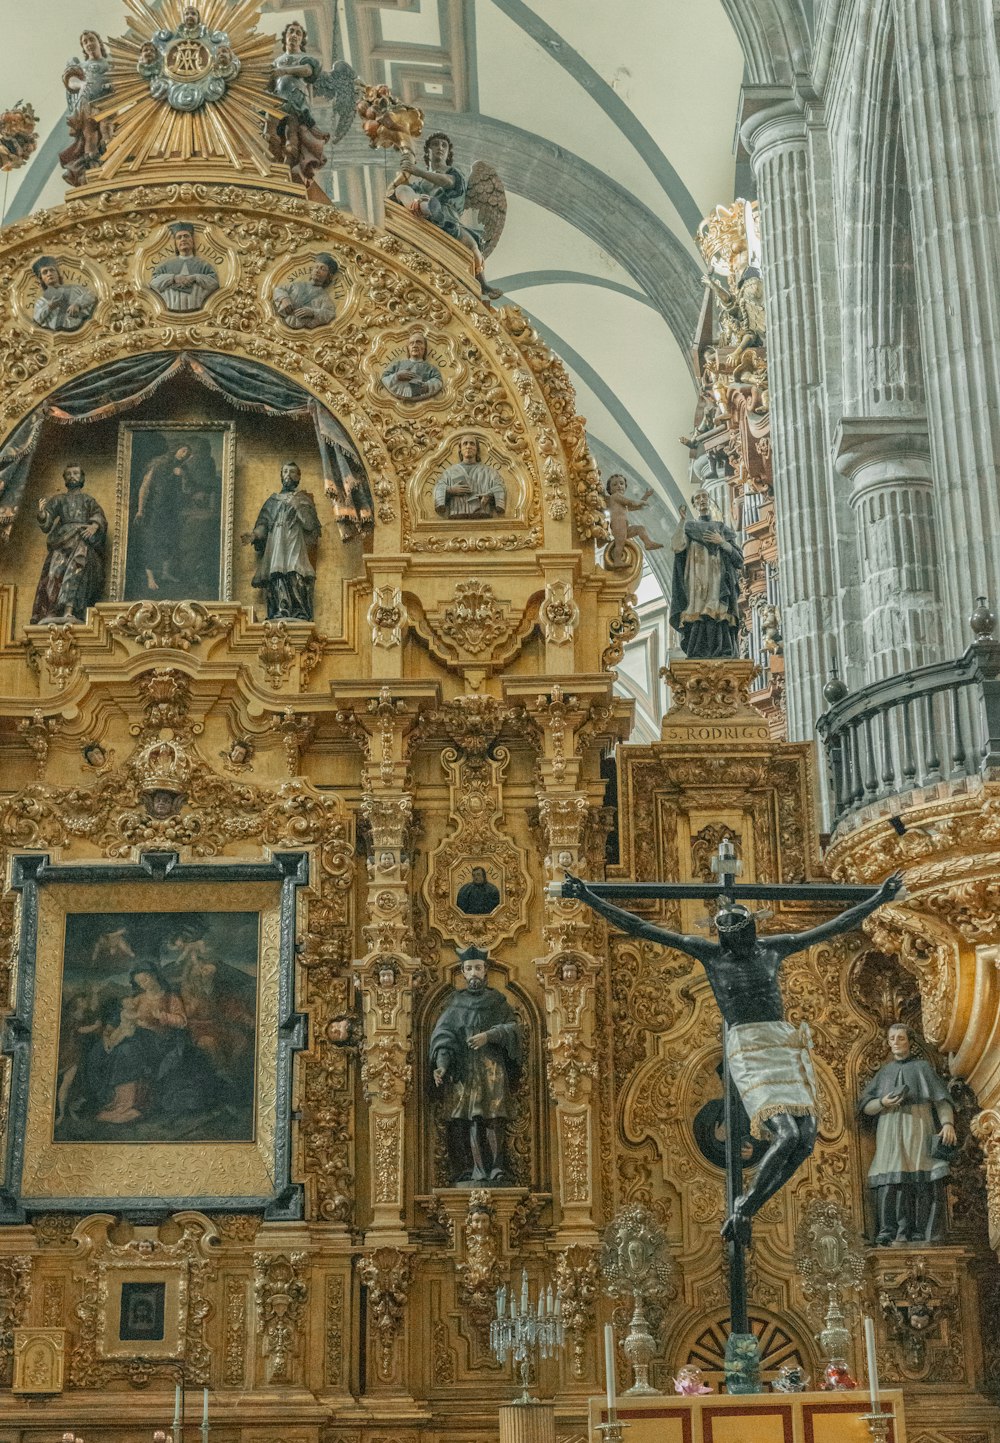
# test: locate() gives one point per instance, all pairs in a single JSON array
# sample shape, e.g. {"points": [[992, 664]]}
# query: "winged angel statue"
{"points": [[442, 194], [295, 137]]}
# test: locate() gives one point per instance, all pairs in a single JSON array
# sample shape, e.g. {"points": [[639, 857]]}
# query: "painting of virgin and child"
{"points": [[158, 1027]]}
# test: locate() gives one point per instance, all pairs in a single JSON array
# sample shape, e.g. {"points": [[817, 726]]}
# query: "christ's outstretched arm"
{"points": [[786, 943], [698, 947]]}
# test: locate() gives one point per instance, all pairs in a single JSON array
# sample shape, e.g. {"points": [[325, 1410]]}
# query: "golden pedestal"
{"points": [[528, 1423]]}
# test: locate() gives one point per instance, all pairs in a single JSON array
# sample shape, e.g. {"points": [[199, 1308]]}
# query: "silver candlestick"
{"points": [[522, 1329]]}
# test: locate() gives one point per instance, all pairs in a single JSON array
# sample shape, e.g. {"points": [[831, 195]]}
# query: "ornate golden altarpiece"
{"points": [[452, 700]]}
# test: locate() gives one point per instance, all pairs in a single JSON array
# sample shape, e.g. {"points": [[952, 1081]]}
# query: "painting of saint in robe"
{"points": [[176, 546]]}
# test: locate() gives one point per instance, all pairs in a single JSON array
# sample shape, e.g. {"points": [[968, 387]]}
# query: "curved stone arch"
{"points": [[775, 37]]}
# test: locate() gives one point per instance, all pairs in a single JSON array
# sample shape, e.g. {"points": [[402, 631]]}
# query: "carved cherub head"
{"points": [[342, 1030]]}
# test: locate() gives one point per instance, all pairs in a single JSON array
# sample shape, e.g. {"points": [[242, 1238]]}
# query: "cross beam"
{"points": [[736, 891]]}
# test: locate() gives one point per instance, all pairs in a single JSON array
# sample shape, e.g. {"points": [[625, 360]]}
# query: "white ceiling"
{"points": [[585, 101]]}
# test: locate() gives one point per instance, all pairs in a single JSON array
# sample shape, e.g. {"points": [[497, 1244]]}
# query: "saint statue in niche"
{"points": [[475, 1061], [286, 533], [305, 304], [914, 1142], [184, 282], [470, 490], [61, 306], [704, 599], [479, 896], [76, 532], [413, 377]]}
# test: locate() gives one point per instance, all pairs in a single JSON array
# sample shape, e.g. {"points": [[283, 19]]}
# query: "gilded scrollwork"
{"points": [[181, 1252], [387, 1274], [15, 1292], [280, 1294], [577, 1282]]}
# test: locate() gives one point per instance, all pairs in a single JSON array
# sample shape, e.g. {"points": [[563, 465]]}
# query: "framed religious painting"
{"points": [[151, 1045], [173, 536]]}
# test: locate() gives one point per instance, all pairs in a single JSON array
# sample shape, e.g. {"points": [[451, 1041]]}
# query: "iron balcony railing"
{"points": [[936, 723]]}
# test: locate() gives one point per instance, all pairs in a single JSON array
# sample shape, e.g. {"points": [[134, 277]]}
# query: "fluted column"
{"points": [[887, 460], [777, 141], [949, 92]]}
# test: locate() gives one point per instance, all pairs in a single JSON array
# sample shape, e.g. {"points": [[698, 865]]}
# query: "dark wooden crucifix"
{"points": [[768, 1071]]}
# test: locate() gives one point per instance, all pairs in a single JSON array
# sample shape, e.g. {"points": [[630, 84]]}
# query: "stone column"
{"points": [[887, 460], [777, 140], [949, 93]]}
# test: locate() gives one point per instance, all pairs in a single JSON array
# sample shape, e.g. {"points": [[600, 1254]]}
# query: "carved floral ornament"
{"points": [[515, 388]]}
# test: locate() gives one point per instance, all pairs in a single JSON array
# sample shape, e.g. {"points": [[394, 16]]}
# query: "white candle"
{"points": [[609, 1368], [204, 1407], [872, 1364], [177, 1406]]}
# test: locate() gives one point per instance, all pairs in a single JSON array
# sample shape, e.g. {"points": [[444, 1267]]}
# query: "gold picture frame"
{"points": [[164, 544], [152, 1152]]}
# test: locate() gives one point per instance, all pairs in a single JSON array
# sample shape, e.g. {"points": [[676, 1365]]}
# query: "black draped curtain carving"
{"points": [[125, 384]]}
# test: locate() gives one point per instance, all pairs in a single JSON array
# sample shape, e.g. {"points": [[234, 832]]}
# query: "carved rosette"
{"points": [[386, 1274], [559, 613]]}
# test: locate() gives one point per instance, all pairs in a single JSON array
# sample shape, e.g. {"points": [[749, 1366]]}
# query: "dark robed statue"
{"points": [[76, 532], [704, 596], [914, 1141], [284, 538], [475, 1058], [770, 1060]]}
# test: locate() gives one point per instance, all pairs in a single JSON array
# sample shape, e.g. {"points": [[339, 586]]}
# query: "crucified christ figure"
{"points": [[770, 1060]]}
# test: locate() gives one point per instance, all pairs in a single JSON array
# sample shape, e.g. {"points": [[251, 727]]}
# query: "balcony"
{"points": [[937, 727]]}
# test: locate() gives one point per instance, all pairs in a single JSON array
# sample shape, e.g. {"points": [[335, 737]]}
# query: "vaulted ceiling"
{"points": [[611, 124]]}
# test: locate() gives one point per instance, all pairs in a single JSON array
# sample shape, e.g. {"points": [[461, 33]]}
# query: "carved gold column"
{"points": [[570, 791], [386, 973]]}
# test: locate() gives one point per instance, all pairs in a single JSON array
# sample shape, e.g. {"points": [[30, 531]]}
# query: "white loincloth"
{"points": [[772, 1066]]}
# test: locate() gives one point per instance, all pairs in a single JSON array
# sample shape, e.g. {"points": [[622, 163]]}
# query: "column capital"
{"points": [[875, 451], [771, 118]]}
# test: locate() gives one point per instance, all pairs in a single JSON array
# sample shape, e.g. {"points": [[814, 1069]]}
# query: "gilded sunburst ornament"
{"points": [[189, 82]]}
